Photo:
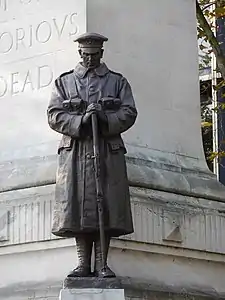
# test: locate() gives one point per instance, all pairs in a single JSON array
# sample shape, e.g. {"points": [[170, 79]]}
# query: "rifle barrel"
{"points": [[99, 189]]}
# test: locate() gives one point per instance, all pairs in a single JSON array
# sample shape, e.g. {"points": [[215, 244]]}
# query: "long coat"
{"points": [[75, 209]]}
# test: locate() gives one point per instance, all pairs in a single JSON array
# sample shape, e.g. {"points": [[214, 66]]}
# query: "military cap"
{"points": [[88, 41]]}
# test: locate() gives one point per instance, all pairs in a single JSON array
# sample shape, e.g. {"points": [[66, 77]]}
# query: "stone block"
{"points": [[178, 240], [92, 282], [92, 294], [4, 226]]}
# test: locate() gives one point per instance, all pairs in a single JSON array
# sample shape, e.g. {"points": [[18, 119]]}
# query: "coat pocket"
{"points": [[65, 143], [116, 145]]}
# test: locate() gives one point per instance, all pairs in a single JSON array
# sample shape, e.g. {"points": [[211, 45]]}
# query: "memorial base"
{"points": [[92, 294], [131, 289], [93, 282]]}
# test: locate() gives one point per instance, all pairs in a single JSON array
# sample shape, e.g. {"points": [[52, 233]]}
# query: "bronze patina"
{"points": [[91, 106]]}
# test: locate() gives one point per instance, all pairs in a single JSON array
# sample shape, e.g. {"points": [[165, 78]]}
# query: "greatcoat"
{"points": [[75, 208]]}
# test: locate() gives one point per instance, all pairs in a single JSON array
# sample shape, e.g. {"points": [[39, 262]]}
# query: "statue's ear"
{"points": [[102, 51]]}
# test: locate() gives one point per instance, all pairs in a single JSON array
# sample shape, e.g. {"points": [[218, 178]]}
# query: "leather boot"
{"points": [[105, 272], [84, 249]]}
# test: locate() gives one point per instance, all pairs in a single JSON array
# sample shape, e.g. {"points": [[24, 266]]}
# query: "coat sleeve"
{"points": [[59, 119], [124, 118]]}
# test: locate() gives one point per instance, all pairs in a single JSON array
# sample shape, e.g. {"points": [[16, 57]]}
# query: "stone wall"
{"points": [[178, 205]]}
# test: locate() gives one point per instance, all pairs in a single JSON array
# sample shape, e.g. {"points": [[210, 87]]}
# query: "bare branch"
{"points": [[207, 6]]}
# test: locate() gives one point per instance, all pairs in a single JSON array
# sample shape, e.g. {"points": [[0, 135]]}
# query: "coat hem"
{"points": [[69, 233]]}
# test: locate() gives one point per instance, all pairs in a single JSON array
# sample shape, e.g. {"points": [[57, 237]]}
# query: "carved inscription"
{"points": [[34, 79], [41, 33], [22, 40]]}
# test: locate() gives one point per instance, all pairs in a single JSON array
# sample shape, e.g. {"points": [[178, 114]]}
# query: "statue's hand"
{"points": [[95, 108], [92, 108], [86, 118]]}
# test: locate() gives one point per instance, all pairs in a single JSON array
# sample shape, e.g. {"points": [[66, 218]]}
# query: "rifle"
{"points": [[99, 190]]}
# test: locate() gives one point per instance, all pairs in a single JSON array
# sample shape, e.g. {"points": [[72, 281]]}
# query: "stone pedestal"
{"points": [[177, 203], [92, 294], [132, 289]]}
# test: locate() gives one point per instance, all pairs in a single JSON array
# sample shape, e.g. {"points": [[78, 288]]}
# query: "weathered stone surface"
{"points": [[165, 156], [165, 175], [92, 282], [133, 289], [92, 294], [142, 288], [156, 214], [37, 48], [36, 45]]}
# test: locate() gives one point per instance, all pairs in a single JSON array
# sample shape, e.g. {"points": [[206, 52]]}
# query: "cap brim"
{"points": [[90, 50]]}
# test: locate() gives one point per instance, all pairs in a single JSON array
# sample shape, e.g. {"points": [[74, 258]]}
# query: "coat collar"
{"points": [[81, 71]]}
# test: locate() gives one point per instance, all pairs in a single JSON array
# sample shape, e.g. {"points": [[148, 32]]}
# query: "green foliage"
{"points": [[207, 13], [206, 120], [219, 85]]}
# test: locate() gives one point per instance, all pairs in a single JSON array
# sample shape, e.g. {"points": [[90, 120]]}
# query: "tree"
{"points": [[207, 11], [204, 16]]}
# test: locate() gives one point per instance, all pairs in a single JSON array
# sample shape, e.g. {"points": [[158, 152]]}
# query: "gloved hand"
{"points": [[94, 108], [90, 110]]}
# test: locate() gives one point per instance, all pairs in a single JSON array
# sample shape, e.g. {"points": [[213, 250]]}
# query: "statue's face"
{"points": [[91, 58]]}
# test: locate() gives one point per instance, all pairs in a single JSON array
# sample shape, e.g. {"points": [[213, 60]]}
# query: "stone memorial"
{"points": [[177, 248], [35, 47], [91, 106], [93, 294]]}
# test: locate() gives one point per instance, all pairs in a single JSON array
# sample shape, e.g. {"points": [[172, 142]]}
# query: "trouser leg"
{"points": [[84, 249], [99, 270]]}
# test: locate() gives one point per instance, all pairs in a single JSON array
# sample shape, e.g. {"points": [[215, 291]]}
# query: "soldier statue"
{"points": [[91, 89]]}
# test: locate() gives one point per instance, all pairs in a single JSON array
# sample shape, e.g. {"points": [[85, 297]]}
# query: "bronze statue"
{"points": [[91, 106]]}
